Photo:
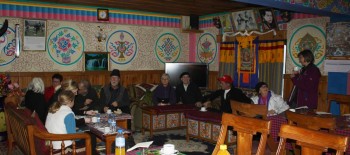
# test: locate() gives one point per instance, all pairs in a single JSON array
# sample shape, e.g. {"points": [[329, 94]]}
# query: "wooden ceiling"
{"points": [[177, 7]]}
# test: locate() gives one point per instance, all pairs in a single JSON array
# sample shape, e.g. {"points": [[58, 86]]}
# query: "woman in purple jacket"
{"points": [[306, 80]]}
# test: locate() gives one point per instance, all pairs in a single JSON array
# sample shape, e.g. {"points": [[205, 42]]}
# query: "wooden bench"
{"points": [[26, 131]]}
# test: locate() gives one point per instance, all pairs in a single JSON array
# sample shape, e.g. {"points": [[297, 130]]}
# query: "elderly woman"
{"points": [[35, 100], [275, 103], [164, 94]]}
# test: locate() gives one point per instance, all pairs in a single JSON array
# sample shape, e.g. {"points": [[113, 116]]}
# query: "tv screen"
{"points": [[199, 73]]}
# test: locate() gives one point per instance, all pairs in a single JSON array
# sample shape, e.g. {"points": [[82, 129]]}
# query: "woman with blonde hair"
{"points": [[34, 98], [66, 85], [61, 119]]}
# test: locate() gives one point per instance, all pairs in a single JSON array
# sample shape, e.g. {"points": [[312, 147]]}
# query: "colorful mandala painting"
{"points": [[65, 46], [122, 47], [308, 37], [7, 47], [167, 48], [206, 48]]}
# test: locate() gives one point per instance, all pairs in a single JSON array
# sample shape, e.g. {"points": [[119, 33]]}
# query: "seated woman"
{"points": [[60, 119], [35, 100], [274, 102], [164, 94]]}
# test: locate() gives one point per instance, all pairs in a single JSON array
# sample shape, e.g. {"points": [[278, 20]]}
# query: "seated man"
{"points": [[187, 92], [86, 100], [274, 102], [164, 94], [226, 93], [114, 96]]}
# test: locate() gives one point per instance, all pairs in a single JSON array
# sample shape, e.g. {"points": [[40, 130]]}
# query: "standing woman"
{"points": [[306, 80], [35, 100]]}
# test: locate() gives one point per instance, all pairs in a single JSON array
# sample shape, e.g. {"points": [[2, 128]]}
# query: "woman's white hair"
{"points": [[37, 85]]}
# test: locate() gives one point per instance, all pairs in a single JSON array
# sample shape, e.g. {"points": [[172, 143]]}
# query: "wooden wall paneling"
{"points": [[102, 78], [213, 80], [322, 91]]}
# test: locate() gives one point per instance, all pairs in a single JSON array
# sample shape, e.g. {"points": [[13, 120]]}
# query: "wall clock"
{"points": [[102, 14]]}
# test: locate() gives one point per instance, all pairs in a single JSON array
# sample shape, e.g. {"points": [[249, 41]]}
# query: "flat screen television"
{"points": [[199, 73]]}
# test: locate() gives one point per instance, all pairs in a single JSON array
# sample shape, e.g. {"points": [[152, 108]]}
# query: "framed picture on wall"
{"points": [[245, 20], [226, 23], [268, 20], [34, 35], [96, 61]]}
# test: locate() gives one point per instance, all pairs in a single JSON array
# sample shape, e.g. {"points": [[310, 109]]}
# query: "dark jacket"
{"points": [[108, 95], [79, 101], [36, 102], [191, 96], [307, 84], [164, 93], [233, 94]]}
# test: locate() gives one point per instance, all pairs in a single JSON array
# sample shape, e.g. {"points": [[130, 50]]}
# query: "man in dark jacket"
{"points": [[114, 96], [226, 93], [86, 100], [187, 92]]}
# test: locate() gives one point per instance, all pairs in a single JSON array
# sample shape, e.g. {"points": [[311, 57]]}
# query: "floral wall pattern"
{"points": [[306, 36], [65, 46], [143, 56], [122, 47], [207, 48], [7, 47], [167, 48]]}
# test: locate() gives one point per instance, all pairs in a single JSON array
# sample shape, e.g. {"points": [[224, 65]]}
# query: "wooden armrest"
{"points": [[34, 131]]}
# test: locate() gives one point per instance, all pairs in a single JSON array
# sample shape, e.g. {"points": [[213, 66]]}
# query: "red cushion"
{"points": [[40, 146]]}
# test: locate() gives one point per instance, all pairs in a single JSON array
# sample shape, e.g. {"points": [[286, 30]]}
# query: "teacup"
{"points": [[168, 149], [94, 119], [296, 69], [203, 109], [109, 111]]}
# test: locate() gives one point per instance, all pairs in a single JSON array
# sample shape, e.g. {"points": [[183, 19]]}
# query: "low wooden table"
{"points": [[162, 118], [110, 138], [206, 126]]}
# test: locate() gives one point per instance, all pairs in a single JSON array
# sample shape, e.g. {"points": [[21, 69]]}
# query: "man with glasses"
{"points": [[86, 100], [56, 84]]}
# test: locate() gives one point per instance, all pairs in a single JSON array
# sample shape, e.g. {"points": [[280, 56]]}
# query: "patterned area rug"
{"points": [[178, 138]]}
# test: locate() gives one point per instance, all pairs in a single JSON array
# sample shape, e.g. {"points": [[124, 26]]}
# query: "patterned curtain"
{"points": [[271, 64], [227, 59]]}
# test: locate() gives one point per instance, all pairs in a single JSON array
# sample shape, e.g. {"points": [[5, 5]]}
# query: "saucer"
{"points": [[203, 110], [175, 152]]}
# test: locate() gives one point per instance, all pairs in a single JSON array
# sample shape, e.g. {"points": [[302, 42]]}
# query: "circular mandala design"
{"points": [[308, 37], [7, 47], [167, 48], [122, 46], [207, 48], [65, 46]]}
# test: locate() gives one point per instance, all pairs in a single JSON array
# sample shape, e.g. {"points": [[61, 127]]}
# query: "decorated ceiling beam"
{"points": [[337, 10]]}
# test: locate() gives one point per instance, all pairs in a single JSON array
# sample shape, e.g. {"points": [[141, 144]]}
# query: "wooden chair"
{"points": [[35, 133], [23, 130], [246, 127], [312, 142], [249, 110], [311, 121]]}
